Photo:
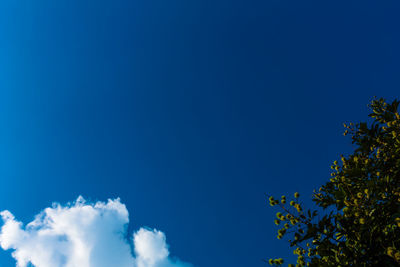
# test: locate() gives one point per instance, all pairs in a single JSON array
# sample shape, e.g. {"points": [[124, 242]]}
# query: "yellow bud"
{"points": [[397, 256], [390, 251]]}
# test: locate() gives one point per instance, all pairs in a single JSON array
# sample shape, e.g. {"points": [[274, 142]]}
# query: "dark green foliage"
{"points": [[357, 222]]}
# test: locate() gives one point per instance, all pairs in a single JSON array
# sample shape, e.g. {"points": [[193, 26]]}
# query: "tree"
{"points": [[356, 221]]}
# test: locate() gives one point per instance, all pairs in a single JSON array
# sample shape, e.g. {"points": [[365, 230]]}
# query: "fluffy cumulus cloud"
{"points": [[83, 234]]}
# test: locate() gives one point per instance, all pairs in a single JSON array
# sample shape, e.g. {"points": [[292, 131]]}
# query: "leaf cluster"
{"points": [[357, 219]]}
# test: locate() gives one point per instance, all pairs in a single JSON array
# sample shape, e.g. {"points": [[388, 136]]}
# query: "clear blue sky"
{"points": [[189, 111]]}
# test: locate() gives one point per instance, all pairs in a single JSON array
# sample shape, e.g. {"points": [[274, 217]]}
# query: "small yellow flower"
{"points": [[390, 251], [397, 256]]}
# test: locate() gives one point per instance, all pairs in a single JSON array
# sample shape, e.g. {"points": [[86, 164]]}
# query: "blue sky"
{"points": [[189, 111]]}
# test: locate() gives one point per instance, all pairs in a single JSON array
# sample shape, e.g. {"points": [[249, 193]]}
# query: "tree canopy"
{"points": [[356, 221]]}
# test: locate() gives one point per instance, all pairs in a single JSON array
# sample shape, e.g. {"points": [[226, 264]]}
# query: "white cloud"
{"points": [[81, 234]]}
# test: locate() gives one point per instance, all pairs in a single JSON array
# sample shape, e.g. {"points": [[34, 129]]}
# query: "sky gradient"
{"points": [[188, 111]]}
